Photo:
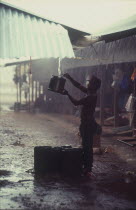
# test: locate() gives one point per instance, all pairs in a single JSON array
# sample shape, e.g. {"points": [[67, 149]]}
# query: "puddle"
{"points": [[5, 173], [4, 183]]}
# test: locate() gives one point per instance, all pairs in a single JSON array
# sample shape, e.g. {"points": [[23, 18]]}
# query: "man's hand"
{"points": [[65, 92], [67, 75]]}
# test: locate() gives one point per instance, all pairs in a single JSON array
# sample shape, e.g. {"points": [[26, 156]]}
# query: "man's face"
{"points": [[88, 81], [89, 84]]}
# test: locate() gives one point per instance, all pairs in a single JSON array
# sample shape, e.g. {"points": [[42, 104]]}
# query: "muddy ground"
{"points": [[112, 187]]}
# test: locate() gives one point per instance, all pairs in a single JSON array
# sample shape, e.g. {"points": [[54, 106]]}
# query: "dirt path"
{"points": [[21, 189]]}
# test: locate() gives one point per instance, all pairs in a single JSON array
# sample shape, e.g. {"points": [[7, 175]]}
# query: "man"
{"points": [[133, 91], [88, 125]]}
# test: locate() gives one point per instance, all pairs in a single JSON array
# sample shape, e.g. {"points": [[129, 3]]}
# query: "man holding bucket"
{"points": [[88, 125]]}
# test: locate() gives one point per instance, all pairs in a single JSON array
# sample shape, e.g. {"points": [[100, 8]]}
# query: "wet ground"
{"points": [[114, 186]]}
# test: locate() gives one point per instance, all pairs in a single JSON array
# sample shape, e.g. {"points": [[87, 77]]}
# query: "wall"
{"points": [[7, 88]]}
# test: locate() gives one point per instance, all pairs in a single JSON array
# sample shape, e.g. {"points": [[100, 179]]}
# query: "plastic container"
{"points": [[57, 84], [47, 160]]}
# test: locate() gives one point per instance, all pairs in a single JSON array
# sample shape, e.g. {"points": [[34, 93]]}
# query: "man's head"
{"points": [[93, 83]]}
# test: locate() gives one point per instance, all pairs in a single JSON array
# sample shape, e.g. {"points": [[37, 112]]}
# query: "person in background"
{"points": [[133, 91], [88, 125]]}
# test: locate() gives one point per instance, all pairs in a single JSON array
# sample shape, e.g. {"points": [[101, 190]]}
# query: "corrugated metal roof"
{"points": [[122, 25], [123, 50], [120, 51], [24, 35], [118, 35], [74, 33]]}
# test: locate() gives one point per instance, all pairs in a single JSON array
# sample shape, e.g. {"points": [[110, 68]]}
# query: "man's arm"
{"points": [[88, 100], [75, 83], [75, 101]]}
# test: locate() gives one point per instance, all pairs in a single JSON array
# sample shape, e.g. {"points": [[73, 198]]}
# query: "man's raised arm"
{"points": [[75, 83], [73, 100]]}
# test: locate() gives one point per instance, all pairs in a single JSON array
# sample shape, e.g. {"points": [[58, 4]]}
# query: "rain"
{"points": [[41, 144]]}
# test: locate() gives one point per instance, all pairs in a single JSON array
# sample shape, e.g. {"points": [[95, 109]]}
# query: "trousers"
{"points": [[87, 131]]}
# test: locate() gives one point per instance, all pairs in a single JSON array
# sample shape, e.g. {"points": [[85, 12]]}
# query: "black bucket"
{"points": [[57, 84]]}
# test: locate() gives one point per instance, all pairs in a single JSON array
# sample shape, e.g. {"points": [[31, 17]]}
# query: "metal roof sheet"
{"points": [[118, 35], [119, 51], [122, 25], [123, 50], [24, 35]]}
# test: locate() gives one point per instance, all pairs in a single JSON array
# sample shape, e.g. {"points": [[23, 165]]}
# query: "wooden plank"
{"points": [[122, 129], [125, 142]]}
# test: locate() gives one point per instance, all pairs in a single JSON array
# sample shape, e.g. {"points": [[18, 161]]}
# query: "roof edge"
{"points": [[118, 35], [42, 17]]}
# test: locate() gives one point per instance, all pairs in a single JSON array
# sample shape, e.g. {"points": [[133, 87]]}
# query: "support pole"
{"points": [[35, 90], [29, 75], [116, 114], [103, 71], [134, 108], [20, 92], [32, 90], [39, 88]]}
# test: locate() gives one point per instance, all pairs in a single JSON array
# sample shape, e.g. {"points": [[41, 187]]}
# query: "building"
{"points": [[25, 36]]}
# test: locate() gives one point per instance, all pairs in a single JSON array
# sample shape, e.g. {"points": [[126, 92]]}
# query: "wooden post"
{"points": [[32, 90], [134, 108], [116, 114], [17, 85], [39, 88], [20, 92], [102, 95], [35, 90], [29, 75], [17, 91]]}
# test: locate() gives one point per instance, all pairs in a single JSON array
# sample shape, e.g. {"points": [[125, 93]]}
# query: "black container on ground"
{"points": [[63, 160], [47, 160], [72, 161]]}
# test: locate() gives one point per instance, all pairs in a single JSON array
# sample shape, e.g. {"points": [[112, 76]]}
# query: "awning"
{"points": [[118, 35], [25, 35]]}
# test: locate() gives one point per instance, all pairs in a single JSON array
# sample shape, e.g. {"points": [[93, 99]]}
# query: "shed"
{"points": [[25, 34], [102, 59]]}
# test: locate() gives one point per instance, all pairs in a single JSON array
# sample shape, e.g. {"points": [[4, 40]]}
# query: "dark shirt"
{"points": [[88, 104], [88, 108]]}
